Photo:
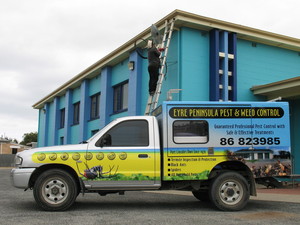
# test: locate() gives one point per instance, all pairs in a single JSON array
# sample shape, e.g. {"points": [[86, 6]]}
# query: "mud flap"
{"points": [[269, 182]]}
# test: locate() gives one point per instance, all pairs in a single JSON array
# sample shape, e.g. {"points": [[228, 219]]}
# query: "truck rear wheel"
{"points": [[55, 190], [229, 191]]}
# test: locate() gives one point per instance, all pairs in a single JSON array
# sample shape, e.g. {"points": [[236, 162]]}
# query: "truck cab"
{"points": [[128, 153]]}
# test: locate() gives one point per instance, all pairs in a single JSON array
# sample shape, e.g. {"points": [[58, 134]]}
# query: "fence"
{"points": [[7, 160]]}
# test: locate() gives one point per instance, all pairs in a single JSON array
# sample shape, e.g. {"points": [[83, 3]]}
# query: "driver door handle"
{"points": [[143, 156]]}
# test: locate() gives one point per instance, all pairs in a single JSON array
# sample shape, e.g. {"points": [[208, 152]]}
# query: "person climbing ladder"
{"points": [[153, 65], [157, 62]]}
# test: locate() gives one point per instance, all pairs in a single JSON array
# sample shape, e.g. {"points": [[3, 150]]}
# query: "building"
{"points": [[256, 154], [209, 59], [8, 150], [8, 147]]}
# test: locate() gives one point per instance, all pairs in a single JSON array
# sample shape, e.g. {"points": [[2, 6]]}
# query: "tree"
{"points": [[29, 137]]}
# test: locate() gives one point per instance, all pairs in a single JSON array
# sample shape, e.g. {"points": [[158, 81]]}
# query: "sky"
{"points": [[43, 44]]}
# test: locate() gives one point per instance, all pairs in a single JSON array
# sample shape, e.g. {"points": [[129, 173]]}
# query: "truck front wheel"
{"points": [[229, 191], [55, 190]]}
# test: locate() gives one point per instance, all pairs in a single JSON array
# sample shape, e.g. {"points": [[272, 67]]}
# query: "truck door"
{"points": [[124, 156]]}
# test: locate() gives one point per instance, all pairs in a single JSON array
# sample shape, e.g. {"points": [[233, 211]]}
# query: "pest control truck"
{"points": [[213, 149]]}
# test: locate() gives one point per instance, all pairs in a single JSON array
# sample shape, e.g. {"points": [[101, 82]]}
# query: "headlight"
{"points": [[18, 160]]}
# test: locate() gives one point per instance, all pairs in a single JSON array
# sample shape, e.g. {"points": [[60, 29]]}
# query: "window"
{"points": [[93, 132], [121, 97], [62, 118], [95, 102], [260, 155], [76, 113], [61, 140], [127, 133], [190, 131], [243, 155], [267, 155], [14, 151]]}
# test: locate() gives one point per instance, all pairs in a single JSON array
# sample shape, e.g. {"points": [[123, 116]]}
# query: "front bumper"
{"points": [[20, 177]]}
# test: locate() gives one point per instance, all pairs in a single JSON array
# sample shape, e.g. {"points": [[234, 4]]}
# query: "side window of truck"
{"points": [[190, 132], [126, 134]]}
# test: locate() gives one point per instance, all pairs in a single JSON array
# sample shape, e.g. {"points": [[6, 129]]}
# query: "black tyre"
{"points": [[201, 195], [229, 191], [55, 190]]}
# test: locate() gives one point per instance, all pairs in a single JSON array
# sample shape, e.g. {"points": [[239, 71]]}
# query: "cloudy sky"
{"points": [[45, 43]]}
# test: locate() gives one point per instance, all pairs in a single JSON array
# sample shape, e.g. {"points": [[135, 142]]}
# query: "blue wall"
{"points": [[171, 80], [261, 65], [145, 81], [60, 132], [41, 129], [51, 123], [119, 73], [76, 95], [194, 64], [94, 85], [94, 88], [74, 129], [62, 102]]}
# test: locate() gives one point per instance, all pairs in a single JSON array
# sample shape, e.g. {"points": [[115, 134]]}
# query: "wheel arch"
{"points": [[236, 166], [46, 167]]}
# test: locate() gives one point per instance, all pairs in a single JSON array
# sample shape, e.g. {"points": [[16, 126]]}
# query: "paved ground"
{"points": [[272, 206], [286, 194]]}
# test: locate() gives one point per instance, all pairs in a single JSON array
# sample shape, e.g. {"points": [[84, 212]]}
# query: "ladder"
{"points": [[153, 99]]}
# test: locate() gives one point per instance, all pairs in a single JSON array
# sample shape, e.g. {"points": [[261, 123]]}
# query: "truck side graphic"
{"points": [[255, 134]]}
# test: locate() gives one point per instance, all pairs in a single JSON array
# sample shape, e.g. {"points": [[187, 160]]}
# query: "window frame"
{"points": [[267, 155], [95, 106], [61, 140], [260, 155], [147, 143], [62, 118], [76, 113], [119, 102], [191, 139]]}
